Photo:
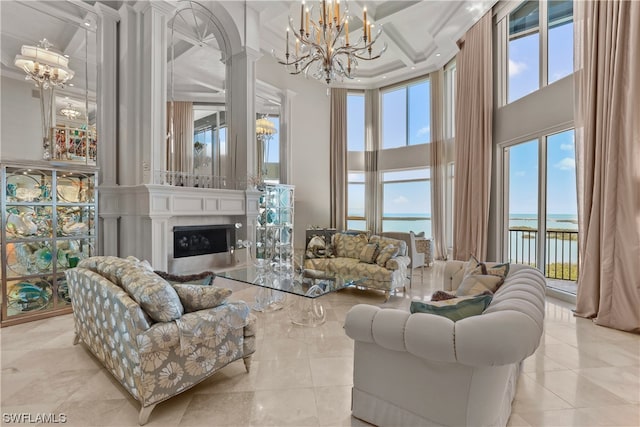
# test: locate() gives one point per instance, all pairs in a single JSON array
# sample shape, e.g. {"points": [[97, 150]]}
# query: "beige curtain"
{"points": [[438, 165], [180, 146], [338, 158], [474, 115], [371, 140], [607, 117]]}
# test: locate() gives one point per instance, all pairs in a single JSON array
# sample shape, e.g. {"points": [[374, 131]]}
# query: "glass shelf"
{"points": [[48, 225]]}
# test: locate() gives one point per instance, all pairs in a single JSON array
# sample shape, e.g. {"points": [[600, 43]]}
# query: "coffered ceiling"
{"points": [[421, 35]]}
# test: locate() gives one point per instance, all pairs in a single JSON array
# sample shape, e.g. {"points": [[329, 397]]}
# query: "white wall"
{"points": [[20, 121], [310, 144]]}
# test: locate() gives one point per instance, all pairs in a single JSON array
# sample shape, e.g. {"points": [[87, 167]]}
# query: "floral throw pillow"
{"points": [[197, 297], [480, 277], [386, 254], [369, 253]]}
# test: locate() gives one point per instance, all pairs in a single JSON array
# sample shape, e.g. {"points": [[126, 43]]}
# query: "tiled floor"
{"points": [[581, 375]]}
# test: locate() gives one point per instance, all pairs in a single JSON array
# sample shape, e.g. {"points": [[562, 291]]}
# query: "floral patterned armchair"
{"points": [[134, 322]]}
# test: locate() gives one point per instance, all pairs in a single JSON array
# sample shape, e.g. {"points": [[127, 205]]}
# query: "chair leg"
{"points": [[145, 411], [387, 294], [76, 338], [247, 363], [422, 274]]}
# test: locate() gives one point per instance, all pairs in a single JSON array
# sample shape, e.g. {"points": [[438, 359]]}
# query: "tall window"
{"points": [[355, 209], [209, 142], [450, 71], [406, 115], [532, 63], [406, 201], [355, 122]]}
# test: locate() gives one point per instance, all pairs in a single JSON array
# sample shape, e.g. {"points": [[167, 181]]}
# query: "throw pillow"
{"points": [[369, 253], [349, 246], [454, 309], [480, 277], [196, 297], [204, 279], [317, 247], [386, 254], [441, 296]]}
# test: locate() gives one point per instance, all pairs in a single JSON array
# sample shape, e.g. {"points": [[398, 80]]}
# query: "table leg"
{"points": [[306, 312]]}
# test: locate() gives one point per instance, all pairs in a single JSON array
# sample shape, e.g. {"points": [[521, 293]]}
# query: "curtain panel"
{"points": [[180, 130], [438, 165], [338, 158], [607, 118], [473, 141]]}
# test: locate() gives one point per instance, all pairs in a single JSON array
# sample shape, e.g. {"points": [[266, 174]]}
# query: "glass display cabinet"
{"points": [[274, 233], [49, 224]]}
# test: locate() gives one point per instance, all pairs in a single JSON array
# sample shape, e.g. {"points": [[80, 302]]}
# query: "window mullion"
{"points": [[544, 44], [406, 116]]}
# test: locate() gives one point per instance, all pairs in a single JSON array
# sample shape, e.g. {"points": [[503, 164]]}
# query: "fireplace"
{"points": [[196, 240]]}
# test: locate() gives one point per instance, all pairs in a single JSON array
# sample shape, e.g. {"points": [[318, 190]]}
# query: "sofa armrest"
{"points": [[423, 335], [398, 262]]}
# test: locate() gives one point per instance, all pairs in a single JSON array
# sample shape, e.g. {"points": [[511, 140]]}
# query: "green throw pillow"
{"points": [[454, 309], [197, 297]]}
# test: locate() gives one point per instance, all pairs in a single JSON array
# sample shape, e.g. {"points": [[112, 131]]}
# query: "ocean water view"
{"points": [[561, 243]]}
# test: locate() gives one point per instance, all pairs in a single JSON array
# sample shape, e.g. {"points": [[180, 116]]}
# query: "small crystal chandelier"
{"points": [[49, 70], [322, 49], [69, 112], [265, 129]]}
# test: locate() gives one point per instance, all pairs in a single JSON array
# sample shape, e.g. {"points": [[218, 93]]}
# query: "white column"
{"points": [[153, 81], [286, 99], [240, 100], [107, 61], [107, 120], [129, 113]]}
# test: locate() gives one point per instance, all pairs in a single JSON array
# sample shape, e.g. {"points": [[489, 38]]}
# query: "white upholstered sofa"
{"points": [[423, 369]]}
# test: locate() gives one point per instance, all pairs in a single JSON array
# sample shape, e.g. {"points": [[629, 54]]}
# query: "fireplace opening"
{"points": [[202, 239]]}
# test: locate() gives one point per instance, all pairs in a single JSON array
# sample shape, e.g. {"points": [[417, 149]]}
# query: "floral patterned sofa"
{"points": [[157, 340], [381, 261]]}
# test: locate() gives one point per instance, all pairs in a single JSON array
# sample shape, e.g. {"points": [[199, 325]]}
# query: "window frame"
{"points": [[404, 85], [503, 39], [397, 181]]}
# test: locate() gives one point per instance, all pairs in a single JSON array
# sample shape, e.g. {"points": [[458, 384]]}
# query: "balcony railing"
{"points": [[561, 247], [183, 179]]}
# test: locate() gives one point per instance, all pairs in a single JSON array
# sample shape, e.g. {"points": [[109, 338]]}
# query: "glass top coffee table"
{"points": [[306, 286]]}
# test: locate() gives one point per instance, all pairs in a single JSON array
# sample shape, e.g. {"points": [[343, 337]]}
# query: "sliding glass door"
{"points": [[540, 207]]}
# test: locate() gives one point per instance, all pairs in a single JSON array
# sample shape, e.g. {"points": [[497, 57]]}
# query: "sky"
{"points": [[523, 79]]}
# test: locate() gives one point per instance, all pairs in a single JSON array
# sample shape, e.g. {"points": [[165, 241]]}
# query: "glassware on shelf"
{"points": [[28, 295], [27, 221]]}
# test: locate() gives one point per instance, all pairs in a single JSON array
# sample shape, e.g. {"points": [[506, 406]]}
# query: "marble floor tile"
{"points": [[332, 371], [582, 374], [579, 391], [623, 382], [284, 408]]}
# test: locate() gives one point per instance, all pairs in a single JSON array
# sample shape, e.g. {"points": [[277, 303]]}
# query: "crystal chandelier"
{"points": [[265, 129], [69, 112], [49, 70], [322, 48]]}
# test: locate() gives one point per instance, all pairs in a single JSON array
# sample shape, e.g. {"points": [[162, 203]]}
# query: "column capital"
{"points": [[107, 13], [161, 6], [252, 55]]}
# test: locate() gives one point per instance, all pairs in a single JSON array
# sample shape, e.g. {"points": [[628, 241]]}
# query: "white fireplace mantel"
{"points": [[142, 216]]}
